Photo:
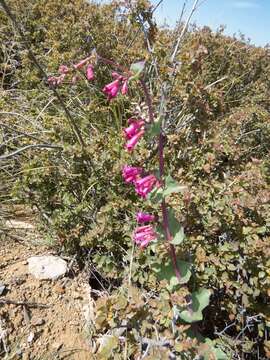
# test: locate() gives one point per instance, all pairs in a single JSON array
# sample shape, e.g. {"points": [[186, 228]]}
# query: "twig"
{"points": [[215, 82], [23, 303], [193, 9], [40, 146]]}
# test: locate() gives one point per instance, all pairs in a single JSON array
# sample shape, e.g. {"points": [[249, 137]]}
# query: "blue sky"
{"points": [[250, 17]]}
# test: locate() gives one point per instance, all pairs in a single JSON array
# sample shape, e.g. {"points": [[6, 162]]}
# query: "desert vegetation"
{"points": [[62, 154]]}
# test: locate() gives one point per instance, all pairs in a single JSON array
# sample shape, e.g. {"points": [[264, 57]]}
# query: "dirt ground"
{"points": [[29, 331]]}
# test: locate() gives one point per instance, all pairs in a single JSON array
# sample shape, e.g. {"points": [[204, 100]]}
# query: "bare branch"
{"points": [[193, 9], [41, 146]]}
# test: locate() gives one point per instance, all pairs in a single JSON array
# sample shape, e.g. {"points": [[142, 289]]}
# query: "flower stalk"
{"points": [[164, 209]]}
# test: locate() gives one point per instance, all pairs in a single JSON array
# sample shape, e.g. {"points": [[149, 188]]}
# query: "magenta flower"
{"points": [[131, 173], [124, 89], [130, 145], [142, 217], [143, 235], [63, 69], [81, 63], [112, 89], [145, 185], [90, 72], [134, 127]]}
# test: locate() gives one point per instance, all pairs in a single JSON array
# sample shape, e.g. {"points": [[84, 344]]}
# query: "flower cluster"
{"points": [[143, 235], [143, 185], [119, 84], [64, 71], [133, 132]]}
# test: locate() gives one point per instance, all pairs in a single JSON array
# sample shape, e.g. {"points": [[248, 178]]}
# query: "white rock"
{"points": [[47, 267]]}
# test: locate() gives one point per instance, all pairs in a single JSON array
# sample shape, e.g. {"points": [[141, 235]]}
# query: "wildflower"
{"points": [[81, 63], [115, 75], [124, 89], [63, 69], [131, 173], [142, 217], [130, 145], [112, 89], [52, 80], [90, 73], [143, 235], [56, 80], [145, 185], [60, 79], [134, 127]]}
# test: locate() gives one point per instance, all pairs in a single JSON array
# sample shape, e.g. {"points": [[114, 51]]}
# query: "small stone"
{"points": [[47, 267], [30, 337], [2, 289], [38, 322]]}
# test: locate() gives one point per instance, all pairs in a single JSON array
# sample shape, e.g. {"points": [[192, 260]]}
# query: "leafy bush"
{"points": [[219, 136]]}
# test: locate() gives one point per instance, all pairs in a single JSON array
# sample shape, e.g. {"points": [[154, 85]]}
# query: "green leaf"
{"points": [[136, 69], [214, 350], [154, 128], [176, 230], [199, 301], [166, 272], [171, 186], [156, 195], [107, 344]]}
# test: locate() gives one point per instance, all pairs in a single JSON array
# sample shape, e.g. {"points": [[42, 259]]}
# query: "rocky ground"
{"points": [[41, 319]]}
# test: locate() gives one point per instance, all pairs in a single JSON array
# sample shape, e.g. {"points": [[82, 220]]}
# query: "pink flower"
{"points": [[90, 72], [133, 128], [56, 80], [145, 185], [63, 69], [124, 89], [143, 235], [115, 75], [52, 80], [130, 145], [142, 217], [131, 173], [60, 79], [81, 63], [112, 89]]}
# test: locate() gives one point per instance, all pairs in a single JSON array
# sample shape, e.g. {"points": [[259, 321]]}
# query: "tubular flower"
{"points": [[131, 173], [124, 89], [90, 72], [143, 235], [81, 63], [142, 217], [112, 89], [130, 145], [145, 185], [134, 127], [63, 69]]}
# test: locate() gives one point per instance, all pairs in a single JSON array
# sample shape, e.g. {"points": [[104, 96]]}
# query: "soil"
{"points": [[58, 331]]}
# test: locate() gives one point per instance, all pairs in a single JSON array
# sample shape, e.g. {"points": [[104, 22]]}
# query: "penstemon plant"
{"points": [[154, 187]]}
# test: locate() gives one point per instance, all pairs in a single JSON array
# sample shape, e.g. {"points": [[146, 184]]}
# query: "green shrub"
{"points": [[218, 137]]}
